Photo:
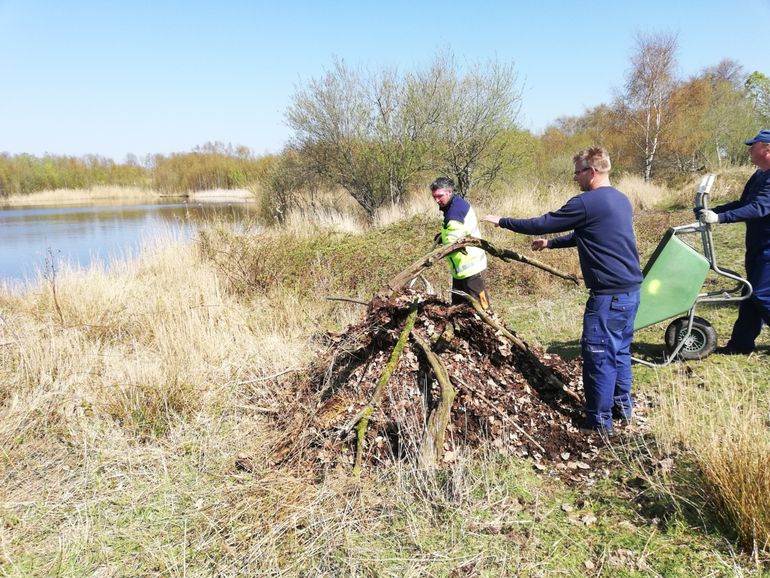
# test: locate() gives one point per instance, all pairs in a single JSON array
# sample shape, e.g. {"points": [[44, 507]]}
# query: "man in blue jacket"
{"points": [[601, 225], [754, 208]]}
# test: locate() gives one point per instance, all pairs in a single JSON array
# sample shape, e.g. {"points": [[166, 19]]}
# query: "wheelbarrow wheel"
{"points": [[701, 342]]}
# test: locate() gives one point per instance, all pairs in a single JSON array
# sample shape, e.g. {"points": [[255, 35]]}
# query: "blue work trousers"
{"points": [[754, 311], [608, 327]]}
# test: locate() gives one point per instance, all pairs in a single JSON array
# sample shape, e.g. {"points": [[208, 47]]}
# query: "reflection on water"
{"points": [[84, 233]]}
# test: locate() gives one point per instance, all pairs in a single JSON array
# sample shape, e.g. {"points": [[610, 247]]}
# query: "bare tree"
{"points": [[352, 129], [476, 114], [373, 134], [648, 87]]}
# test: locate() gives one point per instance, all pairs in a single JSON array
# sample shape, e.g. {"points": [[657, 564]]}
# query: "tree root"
{"points": [[379, 390], [435, 428]]}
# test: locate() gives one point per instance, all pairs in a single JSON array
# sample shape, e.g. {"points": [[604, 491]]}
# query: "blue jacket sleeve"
{"points": [[563, 241], [727, 207], [759, 207], [570, 216], [753, 204]]}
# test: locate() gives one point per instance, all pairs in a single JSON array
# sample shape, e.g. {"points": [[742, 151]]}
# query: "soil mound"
{"points": [[502, 390]]}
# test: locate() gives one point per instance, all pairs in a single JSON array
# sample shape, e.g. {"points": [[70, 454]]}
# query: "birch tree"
{"points": [[648, 88]]}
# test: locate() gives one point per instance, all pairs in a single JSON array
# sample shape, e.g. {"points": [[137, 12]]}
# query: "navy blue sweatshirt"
{"points": [[602, 229], [754, 208]]}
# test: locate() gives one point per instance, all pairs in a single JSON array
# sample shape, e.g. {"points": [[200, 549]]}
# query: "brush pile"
{"points": [[421, 380]]}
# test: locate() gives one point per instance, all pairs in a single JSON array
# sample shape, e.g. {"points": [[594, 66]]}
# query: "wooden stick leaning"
{"points": [[438, 420], [519, 344], [502, 415], [379, 390]]}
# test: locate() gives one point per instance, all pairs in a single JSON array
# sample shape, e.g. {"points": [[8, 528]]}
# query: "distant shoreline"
{"points": [[122, 194]]}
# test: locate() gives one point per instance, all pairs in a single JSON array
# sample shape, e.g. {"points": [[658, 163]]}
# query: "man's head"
{"points": [[442, 189], [759, 150], [592, 168]]}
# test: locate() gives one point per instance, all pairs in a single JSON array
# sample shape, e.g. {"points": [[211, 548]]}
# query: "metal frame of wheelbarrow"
{"points": [[682, 338]]}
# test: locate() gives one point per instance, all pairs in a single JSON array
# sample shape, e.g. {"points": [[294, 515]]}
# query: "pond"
{"points": [[80, 234]]}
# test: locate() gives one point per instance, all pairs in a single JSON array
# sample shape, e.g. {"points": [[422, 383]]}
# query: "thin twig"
{"points": [[268, 377], [348, 299]]}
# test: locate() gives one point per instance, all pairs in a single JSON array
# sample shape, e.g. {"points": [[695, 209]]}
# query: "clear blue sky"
{"points": [[153, 76]]}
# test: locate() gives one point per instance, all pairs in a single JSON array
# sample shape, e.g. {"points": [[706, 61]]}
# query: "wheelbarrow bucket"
{"points": [[672, 287]]}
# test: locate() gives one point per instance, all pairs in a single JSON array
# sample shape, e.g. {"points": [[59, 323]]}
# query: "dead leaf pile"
{"points": [[502, 397]]}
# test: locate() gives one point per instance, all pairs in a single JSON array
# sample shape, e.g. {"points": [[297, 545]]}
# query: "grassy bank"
{"points": [[137, 403]]}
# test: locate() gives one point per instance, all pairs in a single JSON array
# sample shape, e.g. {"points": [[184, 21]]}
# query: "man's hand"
{"points": [[494, 219], [708, 217], [539, 244]]}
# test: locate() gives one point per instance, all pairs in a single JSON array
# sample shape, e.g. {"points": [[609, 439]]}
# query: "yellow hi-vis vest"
{"points": [[474, 260]]}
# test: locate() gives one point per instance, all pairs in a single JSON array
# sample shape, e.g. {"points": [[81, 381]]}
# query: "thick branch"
{"points": [[379, 390], [435, 429], [428, 260]]}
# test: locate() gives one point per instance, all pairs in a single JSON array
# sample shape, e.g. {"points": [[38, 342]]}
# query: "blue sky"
{"points": [[152, 76]]}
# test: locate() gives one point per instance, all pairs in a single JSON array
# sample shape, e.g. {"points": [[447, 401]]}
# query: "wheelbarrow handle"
{"points": [[703, 190]]}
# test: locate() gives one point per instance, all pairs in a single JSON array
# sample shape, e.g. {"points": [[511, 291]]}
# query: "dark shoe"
{"points": [[592, 428], [732, 351], [622, 418]]}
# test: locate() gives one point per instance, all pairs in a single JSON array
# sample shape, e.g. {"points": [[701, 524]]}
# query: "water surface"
{"points": [[83, 233]]}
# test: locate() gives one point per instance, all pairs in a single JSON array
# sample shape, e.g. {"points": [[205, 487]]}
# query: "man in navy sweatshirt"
{"points": [[601, 225]]}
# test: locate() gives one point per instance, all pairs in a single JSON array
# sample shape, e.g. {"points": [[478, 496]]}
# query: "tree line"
{"points": [[379, 134], [210, 166]]}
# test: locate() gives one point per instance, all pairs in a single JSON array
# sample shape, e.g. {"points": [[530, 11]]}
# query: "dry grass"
{"points": [[308, 222], [728, 187], [148, 343], [125, 400], [223, 195], [643, 195], [71, 196], [119, 395], [416, 204], [722, 426]]}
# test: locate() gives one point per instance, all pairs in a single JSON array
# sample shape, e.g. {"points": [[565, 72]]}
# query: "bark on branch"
{"points": [[428, 260], [435, 429], [379, 390]]}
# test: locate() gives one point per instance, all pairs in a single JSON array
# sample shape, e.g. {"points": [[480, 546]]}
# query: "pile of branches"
{"points": [[419, 379]]}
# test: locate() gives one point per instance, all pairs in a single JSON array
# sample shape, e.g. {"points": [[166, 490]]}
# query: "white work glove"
{"points": [[708, 217]]}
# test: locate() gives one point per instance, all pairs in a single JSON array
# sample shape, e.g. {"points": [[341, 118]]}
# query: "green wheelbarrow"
{"points": [[673, 287]]}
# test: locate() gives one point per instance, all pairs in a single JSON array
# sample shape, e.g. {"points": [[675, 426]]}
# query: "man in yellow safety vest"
{"points": [[467, 266]]}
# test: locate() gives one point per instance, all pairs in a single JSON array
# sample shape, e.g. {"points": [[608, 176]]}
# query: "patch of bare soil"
{"points": [[510, 395]]}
